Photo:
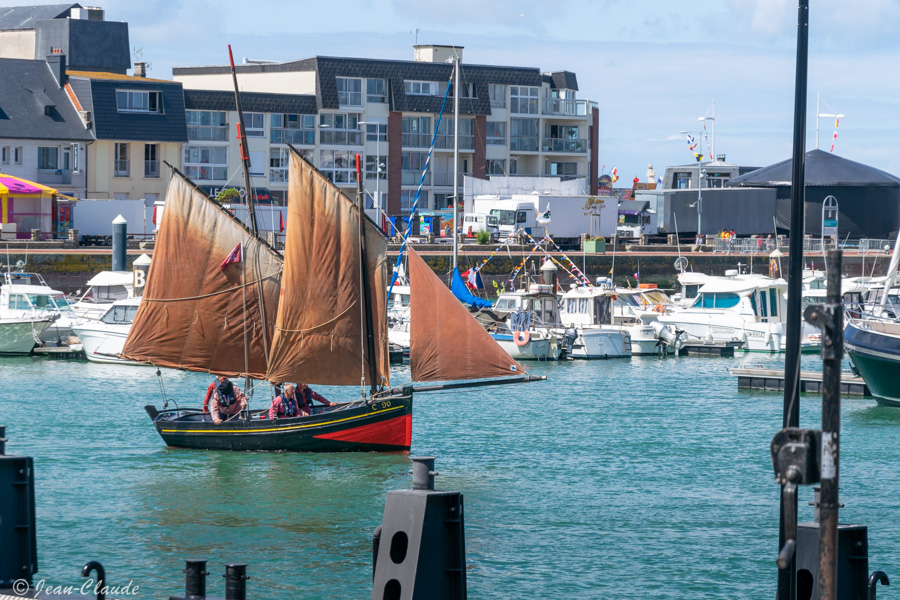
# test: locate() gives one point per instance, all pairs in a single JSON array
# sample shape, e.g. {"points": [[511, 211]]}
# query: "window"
{"points": [[523, 100], [773, 301], [682, 180], [495, 132], [376, 90], [48, 157], [420, 88], [349, 91], [376, 132], [206, 163], [151, 161], [278, 164], [66, 158], [408, 197], [120, 160], [4, 155], [18, 155], [718, 300], [207, 125], [498, 95], [370, 166], [565, 169], [338, 166], [413, 163], [496, 167], [142, 102], [258, 163], [255, 124], [523, 134], [416, 132], [293, 129], [340, 129]]}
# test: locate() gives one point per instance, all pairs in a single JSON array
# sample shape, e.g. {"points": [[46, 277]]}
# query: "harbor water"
{"points": [[631, 479]]}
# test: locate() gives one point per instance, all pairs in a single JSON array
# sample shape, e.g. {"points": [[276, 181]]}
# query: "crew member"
{"points": [[227, 400], [306, 397], [285, 404]]}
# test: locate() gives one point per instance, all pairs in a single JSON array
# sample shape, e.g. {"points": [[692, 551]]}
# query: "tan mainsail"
{"points": [[192, 313], [446, 342], [320, 333]]}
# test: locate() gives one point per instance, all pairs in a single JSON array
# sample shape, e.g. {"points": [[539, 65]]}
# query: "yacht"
{"points": [[104, 338], [27, 296], [748, 308]]}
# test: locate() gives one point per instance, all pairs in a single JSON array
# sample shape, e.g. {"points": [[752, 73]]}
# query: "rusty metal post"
{"points": [[830, 319]]}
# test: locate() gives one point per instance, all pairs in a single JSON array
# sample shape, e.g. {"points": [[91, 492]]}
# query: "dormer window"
{"points": [[139, 102]]}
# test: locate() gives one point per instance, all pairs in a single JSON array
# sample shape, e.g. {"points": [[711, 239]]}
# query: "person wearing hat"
{"points": [[226, 400]]}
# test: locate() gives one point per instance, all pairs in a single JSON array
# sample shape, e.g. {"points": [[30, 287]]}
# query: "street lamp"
{"points": [[712, 146], [378, 164]]}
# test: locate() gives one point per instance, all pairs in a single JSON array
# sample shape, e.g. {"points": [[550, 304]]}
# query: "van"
{"points": [[475, 222]]}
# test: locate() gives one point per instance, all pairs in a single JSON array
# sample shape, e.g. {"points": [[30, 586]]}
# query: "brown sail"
{"points": [[446, 342], [193, 315], [319, 335]]}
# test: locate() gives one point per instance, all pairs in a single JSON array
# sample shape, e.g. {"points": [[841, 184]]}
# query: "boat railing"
{"points": [[881, 324]]}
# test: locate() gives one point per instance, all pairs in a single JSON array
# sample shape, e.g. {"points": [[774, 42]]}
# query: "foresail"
{"points": [[192, 315], [446, 342], [319, 335]]}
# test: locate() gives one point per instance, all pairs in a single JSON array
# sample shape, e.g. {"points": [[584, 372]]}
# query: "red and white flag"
{"points": [[233, 257]]}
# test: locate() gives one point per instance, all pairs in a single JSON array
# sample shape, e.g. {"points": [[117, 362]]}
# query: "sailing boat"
{"points": [[191, 318]]}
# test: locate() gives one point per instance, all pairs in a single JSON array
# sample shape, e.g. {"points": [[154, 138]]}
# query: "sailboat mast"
{"points": [[245, 152], [364, 273], [455, 157]]}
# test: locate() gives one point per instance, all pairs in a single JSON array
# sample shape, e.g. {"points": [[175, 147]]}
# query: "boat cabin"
{"points": [[121, 312], [539, 299], [27, 295], [756, 295], [587, 306]]}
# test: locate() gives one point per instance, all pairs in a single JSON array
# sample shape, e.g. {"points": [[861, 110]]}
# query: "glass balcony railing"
{"points": [[564, 145], [416, 140], [207, 134], [338, 137], [564, 107], [523, 144], [445, 142], [445, 178], [292, 136], [414, 177]]}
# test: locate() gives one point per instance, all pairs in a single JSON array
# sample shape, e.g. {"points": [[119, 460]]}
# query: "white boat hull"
{"points": [[756, 336], [103, 342], [601, 343], [17, 336], [645, 340], [534, 349]]}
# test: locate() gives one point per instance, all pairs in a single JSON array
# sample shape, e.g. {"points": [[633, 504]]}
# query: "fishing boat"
{"points": [[527, 329], [586, 315], [104, 338]]}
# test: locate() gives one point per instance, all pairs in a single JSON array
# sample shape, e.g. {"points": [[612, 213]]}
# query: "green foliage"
{"points": [[483, 236], [228, 196]]}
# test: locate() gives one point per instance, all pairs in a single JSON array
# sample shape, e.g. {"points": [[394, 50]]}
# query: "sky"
{"points": [[652, 66]]}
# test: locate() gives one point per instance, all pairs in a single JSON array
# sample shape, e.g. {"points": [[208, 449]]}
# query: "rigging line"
{"points": [[329, 321], [362, 308], [210, 295]]}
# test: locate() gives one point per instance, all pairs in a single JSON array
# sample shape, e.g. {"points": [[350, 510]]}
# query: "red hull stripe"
{"points": [[393, 432]]}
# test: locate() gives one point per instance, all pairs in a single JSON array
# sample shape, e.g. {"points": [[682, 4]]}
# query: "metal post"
{"points": [[699, 196], [119, 243], [236, 581], [195, 579], [832, 355], [787, 578], [455, 156]]}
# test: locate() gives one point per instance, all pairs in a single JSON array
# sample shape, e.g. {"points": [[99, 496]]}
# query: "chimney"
{"points": [[140, 69], [57, 63]]}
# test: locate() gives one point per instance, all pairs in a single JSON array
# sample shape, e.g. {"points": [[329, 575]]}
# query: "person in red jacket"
{"points": [[224, 399], [306, 396], [286, 404]]}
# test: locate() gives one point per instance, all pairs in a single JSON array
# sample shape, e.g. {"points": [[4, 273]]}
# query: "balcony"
{"points": [[445, 142], [414, 177], [338, 137], [524, 144], [445, 178], [563, 107], [564, 145], [293, 136], [416, 140], [207, 134], [54, 176]]}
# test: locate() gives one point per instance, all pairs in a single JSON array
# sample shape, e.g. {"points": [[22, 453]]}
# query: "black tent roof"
{"points": [[822, 169]]}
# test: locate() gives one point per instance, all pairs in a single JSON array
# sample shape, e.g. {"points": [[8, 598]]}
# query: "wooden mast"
{"points": [[245, 152], [364, 272]]}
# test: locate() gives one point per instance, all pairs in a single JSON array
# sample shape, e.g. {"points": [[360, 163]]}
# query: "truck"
{"points": [[636, 218], [474, 222], [565, 223]]}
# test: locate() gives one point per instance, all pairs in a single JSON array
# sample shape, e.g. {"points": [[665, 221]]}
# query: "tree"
{"points": [[228, 196], [593, 206]]}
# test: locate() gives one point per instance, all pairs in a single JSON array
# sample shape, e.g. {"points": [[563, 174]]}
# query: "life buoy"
{"points": [[659, 308], [521, 337]]}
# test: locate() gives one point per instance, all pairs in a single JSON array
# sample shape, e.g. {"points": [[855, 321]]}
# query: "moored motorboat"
{"points": [[19, 335], [104, 338], [874, 348]]}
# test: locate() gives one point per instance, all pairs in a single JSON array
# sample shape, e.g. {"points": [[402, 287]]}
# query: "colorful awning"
{"points": [[22, 188]]}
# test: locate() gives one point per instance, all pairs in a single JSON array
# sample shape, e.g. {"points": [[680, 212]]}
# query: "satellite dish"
{"points": [[681, 264]]}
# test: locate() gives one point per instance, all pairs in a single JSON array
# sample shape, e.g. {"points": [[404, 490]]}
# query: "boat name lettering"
{"points": [[381, 405]]}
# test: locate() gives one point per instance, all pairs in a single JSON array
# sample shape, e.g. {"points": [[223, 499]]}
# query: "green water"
{"points": [[640, 478]]}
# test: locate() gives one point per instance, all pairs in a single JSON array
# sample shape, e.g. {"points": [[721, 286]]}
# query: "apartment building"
{"points": [[512, 121]]}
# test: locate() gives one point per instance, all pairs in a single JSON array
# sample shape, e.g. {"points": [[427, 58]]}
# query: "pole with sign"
{"points": [[829, 223]]}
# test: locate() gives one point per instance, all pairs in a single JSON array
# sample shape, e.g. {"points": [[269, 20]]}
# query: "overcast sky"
{"points": [[653, 66]]}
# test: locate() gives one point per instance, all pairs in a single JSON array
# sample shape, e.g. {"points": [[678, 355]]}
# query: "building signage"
{"points": [[76, 159], [830, 217], [260, 195]]}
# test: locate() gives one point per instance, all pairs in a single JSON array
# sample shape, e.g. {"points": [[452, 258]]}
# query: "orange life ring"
{"points": [[659, 308], [521, 337]]}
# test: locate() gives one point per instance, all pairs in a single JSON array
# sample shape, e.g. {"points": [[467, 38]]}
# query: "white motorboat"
{"points": [[21, 335], [637, 310], [529, 331], [104, 288], [748, 308], [104, 338], [586, 315], [27, 296]]}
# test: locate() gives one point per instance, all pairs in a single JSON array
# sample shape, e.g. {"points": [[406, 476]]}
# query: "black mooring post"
{"points": [[832, 316], [195, 579], [236, 581], [787, 579]]}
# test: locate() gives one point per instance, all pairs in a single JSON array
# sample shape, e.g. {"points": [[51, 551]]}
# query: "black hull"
{"points": [[381, 425]]}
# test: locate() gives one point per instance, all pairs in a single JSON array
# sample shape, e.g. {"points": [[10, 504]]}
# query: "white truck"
{"points": [[636, 218], [475, 222], [567, 219]]}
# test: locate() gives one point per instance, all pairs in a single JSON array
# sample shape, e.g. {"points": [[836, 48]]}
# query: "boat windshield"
{"points": [[50, 303], [62, 305], [717, 300], [506, 217], [105, 293], [506, 304], [120, 315]]}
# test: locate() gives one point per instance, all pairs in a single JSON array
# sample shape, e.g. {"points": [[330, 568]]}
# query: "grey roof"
{"points": [[99, 92], [395, 71], [88, 45], [24, 101], [821, 169], [26, 17], [562, 80], [250, 102]]}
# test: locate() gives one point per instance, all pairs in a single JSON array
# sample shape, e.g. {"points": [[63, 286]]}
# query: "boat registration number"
{"points": [[381, 405]]}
